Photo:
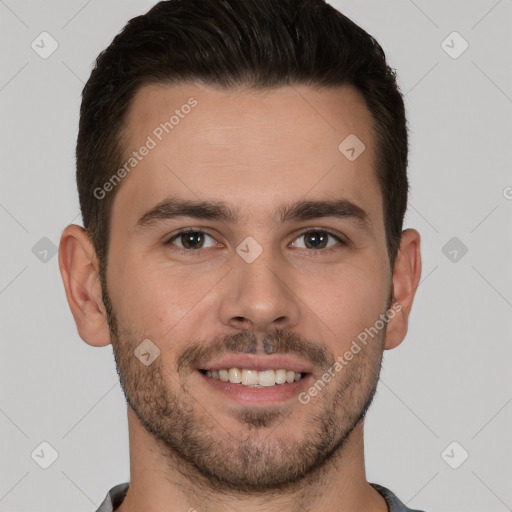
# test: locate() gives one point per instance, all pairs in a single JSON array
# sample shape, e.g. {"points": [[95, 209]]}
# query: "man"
{"points": [[241, 168]]}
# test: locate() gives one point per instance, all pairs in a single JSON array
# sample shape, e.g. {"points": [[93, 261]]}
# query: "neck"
{"points": [[160, 481]]}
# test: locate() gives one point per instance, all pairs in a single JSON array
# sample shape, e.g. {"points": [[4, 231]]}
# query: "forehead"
{"points": [[248, 147], [228, 116]]}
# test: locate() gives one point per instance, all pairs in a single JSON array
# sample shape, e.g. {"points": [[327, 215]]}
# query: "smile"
{"points": [[255, 378]]}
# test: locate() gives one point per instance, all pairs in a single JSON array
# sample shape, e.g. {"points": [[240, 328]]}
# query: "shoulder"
{"points": [[394, 504], [114, 498]]}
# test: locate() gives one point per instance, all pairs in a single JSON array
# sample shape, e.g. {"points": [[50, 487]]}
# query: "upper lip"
{"points": [[259, 362]]}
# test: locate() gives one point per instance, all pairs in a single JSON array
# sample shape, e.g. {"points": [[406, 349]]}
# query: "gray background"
{"points": [[450, 379]]}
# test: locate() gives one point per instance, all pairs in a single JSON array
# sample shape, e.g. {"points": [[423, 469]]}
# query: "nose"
{"points": [[260, 295]]}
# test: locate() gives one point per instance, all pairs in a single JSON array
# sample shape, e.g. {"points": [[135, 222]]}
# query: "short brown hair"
{"points": [[260, 44]]}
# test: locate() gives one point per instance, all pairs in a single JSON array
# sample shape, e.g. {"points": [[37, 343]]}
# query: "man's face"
{"points": [[253, 292]]}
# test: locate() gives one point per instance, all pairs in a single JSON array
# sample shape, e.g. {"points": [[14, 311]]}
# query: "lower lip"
{"points": [[258, 396]]}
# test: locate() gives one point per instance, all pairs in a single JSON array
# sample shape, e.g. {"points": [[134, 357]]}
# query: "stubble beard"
{"points": [[261, 457]]}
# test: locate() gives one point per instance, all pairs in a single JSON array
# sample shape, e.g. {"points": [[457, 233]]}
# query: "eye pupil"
{"points": [[190, 240], [316, 237]]}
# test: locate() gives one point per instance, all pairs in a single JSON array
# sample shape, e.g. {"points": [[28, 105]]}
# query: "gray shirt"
{"points": [[116, 496]]}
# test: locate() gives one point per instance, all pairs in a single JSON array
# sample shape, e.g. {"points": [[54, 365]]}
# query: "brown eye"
{"points": [[191, 240], [315, 239]]}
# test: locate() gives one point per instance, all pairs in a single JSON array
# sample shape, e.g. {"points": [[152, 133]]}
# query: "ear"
{"points": [[406, 278], [79, 270]]}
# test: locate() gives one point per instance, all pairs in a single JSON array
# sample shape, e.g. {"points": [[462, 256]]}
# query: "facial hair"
{"points": [[256, 459]]}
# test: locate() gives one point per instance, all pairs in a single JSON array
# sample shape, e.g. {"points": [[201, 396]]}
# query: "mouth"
{"points": [[255, 378], [256, 388]]}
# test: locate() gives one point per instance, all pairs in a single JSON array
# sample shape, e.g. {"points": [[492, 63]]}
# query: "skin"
{"points": [[192, 446]]}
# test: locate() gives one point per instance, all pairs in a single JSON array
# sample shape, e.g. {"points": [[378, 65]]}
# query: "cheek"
{"points": [[155, 300], [348, 303]]}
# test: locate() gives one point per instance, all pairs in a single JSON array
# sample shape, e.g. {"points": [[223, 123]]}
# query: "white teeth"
{"points": [[235, 375], [267, 378], [254, 378], [224, 375], [280, 376], [249, 377]]}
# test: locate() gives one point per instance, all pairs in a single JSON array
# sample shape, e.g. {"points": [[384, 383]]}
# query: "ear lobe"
{"points": [[406, 278], [79, 270]]}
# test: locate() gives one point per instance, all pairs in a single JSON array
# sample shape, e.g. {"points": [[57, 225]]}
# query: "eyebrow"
{"points": [[220, 211]]}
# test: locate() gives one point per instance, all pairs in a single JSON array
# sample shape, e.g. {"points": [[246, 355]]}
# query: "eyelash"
{"points": [[199, 252]]}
